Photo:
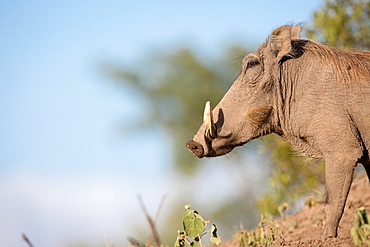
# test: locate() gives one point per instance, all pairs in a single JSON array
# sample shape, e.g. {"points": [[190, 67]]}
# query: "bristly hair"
{"points": [[353, 66]]}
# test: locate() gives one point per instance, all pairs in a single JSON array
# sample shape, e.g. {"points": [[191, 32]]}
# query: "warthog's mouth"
{"points": [[198, 150], [212, 142]]}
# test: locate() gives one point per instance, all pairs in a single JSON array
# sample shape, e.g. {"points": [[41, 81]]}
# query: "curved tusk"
{"points": [[210, 132]]}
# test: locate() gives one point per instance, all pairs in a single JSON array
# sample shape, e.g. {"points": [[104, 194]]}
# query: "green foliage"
{"points": [[293, 176], [215, 239], [342, 23], [193, 223], [263, 235], [361, 230], [195, 229], [282, 209]]}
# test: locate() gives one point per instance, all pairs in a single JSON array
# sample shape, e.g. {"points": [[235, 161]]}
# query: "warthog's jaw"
{"points": [[208, 149], [208, 142]]}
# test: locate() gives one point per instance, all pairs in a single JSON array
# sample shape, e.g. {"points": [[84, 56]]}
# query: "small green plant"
{"points": [[263, 234], [282, 209], [194, 230], [361, 230]]}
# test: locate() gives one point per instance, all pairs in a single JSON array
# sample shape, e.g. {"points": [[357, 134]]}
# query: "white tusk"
{"points": [[208, 121]]}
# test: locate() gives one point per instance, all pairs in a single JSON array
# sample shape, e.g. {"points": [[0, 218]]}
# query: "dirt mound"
{"points": [[305, 227]]}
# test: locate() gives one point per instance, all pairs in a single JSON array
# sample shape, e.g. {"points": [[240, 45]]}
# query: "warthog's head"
{"points": [[250, 108]]}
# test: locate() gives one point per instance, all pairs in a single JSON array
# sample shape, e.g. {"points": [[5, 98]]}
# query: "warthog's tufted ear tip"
{"points": [[295, 31]]}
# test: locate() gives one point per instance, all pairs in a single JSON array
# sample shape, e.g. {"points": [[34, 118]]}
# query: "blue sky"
{"points": [[66, 173]]}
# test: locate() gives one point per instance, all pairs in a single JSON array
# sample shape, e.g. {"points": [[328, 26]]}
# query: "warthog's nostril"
{"points": [[195, 148]]}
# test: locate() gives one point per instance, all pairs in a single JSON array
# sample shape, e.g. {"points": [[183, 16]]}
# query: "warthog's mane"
{"points": [[353, 66]]}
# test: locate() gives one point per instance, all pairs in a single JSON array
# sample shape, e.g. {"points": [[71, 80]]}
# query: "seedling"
{"points": [[194, 230]]}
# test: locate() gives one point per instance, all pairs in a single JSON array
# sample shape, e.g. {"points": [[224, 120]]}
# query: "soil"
{"points": [[305, 227]]}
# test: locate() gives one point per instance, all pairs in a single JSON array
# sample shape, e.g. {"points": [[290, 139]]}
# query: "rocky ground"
{"points": [[305, 227]]}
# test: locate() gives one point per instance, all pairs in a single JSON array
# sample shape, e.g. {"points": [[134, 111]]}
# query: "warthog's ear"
{"points": [[280, 40]]}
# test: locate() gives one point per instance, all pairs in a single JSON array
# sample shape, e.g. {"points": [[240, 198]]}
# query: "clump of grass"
{"points": [[264, 234], [361, 230]]}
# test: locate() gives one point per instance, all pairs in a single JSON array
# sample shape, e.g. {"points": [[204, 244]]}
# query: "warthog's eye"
{"points": [[252, 63], [252, 68]]}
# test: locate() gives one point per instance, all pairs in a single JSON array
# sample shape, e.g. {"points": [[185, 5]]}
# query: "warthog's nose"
{"points": [[195, 148]]}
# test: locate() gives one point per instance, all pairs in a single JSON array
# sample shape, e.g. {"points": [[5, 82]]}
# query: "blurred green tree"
{"points": [[342, 23], [176, 86], [293, 176]]}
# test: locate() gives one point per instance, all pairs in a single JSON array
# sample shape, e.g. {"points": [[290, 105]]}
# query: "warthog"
{"points": [[316, 97]]}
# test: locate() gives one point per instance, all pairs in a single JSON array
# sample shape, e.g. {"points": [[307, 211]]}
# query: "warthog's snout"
{"points": [[195, 148]]}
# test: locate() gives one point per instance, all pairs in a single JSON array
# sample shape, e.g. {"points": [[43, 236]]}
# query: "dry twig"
{"points": [[154, 238], [135, 243], [25, 238]]}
